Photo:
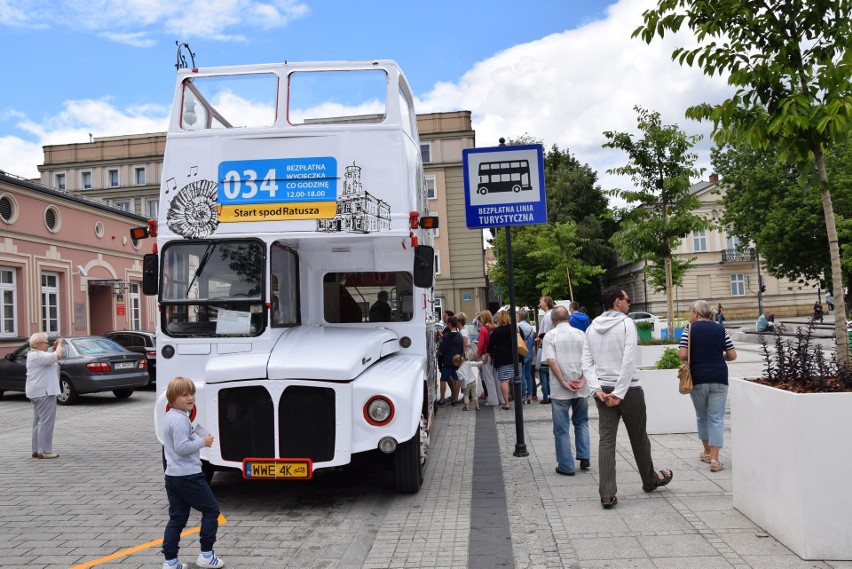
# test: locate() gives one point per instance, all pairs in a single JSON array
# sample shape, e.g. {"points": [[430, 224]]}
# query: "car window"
{"points": [[94, 346]]}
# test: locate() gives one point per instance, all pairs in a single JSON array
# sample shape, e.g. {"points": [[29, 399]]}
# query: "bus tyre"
{"points": [[209, 470], [408, 463]]}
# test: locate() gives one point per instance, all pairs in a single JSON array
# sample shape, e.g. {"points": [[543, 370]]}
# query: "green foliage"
{"points": [[669, 359], [661, 166], [574, 243], [658, 341], [790, 66], [645, 325]]}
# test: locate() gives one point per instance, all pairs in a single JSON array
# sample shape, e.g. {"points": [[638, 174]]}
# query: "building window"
{"points": [[431, 189], [140, 176], [426, 152], [99, 230], [8, 209], [439, 307], [122, 204], [436, 231], [52, 219], [135, 308], [113, 178], [50, 303], [60, 181], [153, 207], [86, 180], [699, 240], [732, 243], [738, 284], [7, 303], [437, 263]]}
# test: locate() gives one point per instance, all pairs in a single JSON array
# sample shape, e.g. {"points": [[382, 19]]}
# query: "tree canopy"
{"points": [[789, 63], [660, 165]]}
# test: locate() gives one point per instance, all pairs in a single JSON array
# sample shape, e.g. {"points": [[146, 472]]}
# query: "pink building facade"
{"points": [[67, 265]]}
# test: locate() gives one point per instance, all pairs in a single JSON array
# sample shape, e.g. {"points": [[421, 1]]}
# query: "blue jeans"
{"points": [[709, 402], [544, 380], [578, 408], [527, 379], [187, 492]]}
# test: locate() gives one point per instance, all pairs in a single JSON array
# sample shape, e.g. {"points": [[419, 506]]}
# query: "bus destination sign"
{"points": [[504, 185]]}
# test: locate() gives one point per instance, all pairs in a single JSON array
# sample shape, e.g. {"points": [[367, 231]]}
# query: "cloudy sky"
{"points": [[562, 71]]}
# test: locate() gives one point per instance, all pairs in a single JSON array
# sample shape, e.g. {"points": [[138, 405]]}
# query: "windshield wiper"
{"points": [[204, 258]]}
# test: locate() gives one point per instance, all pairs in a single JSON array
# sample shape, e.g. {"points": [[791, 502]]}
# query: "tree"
{"points": [[789, 63], [660, 166], [577, 212]]}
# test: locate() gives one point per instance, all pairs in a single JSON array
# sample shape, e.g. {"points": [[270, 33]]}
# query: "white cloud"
{"points": [[569, 88], [73, 124], [135, 22]]}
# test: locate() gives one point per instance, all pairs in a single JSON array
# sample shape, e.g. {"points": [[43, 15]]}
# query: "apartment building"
{"points": [[724, 271]]}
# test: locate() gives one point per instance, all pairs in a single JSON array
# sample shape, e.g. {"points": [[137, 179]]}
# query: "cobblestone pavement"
{"points": [[104, 495]]}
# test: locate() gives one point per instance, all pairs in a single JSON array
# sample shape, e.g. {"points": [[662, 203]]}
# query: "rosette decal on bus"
{"points": [[279, 189]]}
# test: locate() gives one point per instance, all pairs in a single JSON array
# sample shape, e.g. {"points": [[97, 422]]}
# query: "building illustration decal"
{"points": [[358, 211]]}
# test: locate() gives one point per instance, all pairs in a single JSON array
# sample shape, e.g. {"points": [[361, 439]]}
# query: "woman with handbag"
{"points": [[706, 347], [502, 357], [487, 372]]}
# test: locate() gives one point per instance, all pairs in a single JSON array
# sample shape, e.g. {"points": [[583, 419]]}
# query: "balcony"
{"points": [[736, 256]]}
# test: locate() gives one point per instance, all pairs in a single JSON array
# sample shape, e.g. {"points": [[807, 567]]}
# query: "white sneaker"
{"points": [[177, 565], [211, 561]]}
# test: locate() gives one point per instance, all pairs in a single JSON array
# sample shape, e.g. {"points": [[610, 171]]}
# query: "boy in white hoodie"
{"points": [[609, 365]]}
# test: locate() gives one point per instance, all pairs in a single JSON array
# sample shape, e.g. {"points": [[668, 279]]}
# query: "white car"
{"points": [[643, 317]]}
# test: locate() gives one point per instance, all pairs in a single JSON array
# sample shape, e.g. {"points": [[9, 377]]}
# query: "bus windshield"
{"points": [[213, 288]]}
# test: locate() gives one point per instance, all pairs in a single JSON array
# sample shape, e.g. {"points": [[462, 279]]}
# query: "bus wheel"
{"points": [[483, 190], [516, 188], [409, 459]]}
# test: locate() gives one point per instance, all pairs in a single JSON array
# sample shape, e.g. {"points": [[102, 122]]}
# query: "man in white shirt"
{"points": [[563, 351], [609, 364], [546, 304]]}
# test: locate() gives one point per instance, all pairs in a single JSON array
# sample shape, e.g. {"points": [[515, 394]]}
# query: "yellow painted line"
{"points": [[138, 548]]}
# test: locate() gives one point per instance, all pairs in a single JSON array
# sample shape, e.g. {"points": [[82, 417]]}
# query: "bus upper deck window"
{"points": [[229, 101], [337, 97]]}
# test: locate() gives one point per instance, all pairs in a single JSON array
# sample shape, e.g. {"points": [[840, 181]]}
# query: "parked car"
{"points": [[141, 342], [91, 364], [644, 317]]}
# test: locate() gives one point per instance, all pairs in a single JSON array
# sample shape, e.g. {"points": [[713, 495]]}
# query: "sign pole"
{"points": [[520, 445]]}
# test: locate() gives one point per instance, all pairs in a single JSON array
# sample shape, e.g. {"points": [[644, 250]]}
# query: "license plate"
{"points": [[277, 469], [125, 365]]}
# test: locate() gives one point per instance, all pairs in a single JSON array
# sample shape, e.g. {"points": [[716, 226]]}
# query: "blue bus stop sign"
{"points": [[504, 185]]}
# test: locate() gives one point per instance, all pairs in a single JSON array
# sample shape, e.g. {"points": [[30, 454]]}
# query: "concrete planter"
{"points": [[648, 355], [668, 411], [791, 466]]}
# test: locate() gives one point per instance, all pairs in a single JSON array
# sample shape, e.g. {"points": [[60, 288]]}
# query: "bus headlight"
{"points": [[387, 445], [378, 411]]}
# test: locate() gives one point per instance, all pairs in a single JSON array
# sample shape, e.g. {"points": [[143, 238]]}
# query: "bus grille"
{"points": [[306, 423], [246, 423]]}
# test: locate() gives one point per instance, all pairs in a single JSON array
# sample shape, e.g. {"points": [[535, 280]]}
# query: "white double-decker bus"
{"points": [[294, 268]]}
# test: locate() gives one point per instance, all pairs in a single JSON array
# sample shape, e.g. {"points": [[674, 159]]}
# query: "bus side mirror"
{"points": [[150, 276], [424, 266]]}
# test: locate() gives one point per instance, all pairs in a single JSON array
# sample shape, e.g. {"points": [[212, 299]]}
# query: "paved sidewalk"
{"points": [[557, 521]]}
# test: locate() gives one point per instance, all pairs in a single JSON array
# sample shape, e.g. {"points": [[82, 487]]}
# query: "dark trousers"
{"points": [[186, 492], [632, 411]]}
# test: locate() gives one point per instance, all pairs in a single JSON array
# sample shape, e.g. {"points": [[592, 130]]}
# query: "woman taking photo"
{"points": [[708, 347]]}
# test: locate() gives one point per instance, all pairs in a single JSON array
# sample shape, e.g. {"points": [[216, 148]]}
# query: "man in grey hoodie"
{"points": [[609, 365]]}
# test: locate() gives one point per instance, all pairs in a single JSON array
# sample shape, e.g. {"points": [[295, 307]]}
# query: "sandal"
{"points": [[609, 503], [466, 408], [704, 457], [716, 466], [507, 407], [667, 477]]}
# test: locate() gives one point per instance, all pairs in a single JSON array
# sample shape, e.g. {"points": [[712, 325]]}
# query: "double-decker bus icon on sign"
{"points": [[513, 176]]}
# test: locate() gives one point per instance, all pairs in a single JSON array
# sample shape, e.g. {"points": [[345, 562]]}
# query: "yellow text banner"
{"points": [[277, 211]]}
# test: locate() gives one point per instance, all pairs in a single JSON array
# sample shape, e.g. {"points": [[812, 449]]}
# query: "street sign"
{"points": [[504, 185]]}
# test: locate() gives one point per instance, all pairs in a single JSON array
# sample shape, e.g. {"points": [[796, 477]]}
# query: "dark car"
{"points": [[141, 342], [91, 364]]}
